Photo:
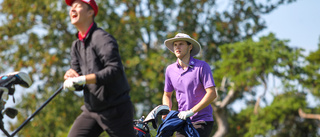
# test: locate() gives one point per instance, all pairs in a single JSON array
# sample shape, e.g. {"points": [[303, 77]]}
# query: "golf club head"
{"points": [[22, 78], [11, 112]]}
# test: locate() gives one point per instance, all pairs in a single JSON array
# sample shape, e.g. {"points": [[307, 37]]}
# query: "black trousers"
{"points": [[204, 129], [116, 121]]}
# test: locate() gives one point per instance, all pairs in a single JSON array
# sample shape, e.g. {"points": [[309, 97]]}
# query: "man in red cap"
{"points": [[96, 68]]}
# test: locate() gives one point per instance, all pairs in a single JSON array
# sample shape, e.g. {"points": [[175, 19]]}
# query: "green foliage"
{"points": [[249, 63], [280, 118], [280, 114], [36, 36], [311, 76]]}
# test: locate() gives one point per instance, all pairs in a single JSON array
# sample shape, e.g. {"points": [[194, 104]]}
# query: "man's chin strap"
{"points": [[185, 63]]}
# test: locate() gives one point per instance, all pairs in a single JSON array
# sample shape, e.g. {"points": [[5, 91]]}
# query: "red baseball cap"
{"points": [[92, 3]]}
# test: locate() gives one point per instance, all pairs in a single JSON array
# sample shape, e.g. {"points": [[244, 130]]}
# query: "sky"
{"points": [[297, 22]]}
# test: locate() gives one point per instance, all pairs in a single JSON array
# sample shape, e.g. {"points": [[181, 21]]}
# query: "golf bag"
{"points": [[141, 128], [7, 86]]}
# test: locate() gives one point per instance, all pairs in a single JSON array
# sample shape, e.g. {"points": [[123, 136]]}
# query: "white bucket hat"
{"points": [[181, 36]]}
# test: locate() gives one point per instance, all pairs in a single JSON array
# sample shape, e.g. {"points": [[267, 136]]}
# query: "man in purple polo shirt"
{"points": [[193, 83]]}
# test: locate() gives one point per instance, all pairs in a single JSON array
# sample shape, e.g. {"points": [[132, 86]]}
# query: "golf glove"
{"points": [[71, 82], [185, 114]]}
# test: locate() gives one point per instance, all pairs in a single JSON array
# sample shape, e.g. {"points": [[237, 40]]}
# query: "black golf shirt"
{"points": [[98, 53]]}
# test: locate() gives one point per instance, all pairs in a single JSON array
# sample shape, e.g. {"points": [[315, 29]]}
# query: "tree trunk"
{"points": [[220, 113], [222, 121]]}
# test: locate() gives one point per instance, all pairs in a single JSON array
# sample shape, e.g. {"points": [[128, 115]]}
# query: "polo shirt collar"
{"points": [[192, 62], [89, 31]]}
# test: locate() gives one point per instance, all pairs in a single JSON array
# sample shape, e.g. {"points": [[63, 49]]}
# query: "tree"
{"points": [[285, 115], [247, 65], [36, 37], [309, 80], [280, 118], [148, 23]]}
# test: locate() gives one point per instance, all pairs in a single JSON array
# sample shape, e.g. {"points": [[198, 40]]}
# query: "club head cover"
{"points": [[152, 116]]}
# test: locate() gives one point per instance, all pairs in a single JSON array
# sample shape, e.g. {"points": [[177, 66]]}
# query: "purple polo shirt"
{"points": [[190, 85]]}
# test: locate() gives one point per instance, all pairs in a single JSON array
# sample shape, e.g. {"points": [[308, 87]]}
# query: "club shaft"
{"points": [[38, 110], [5, 132]]}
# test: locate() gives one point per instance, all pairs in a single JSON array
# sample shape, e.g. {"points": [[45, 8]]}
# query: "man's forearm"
{"points": [[166, 100], [206, 100], [91, 79]]}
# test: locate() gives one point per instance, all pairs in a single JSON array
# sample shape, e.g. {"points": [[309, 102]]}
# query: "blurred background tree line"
{"points": [[36, 37]]}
